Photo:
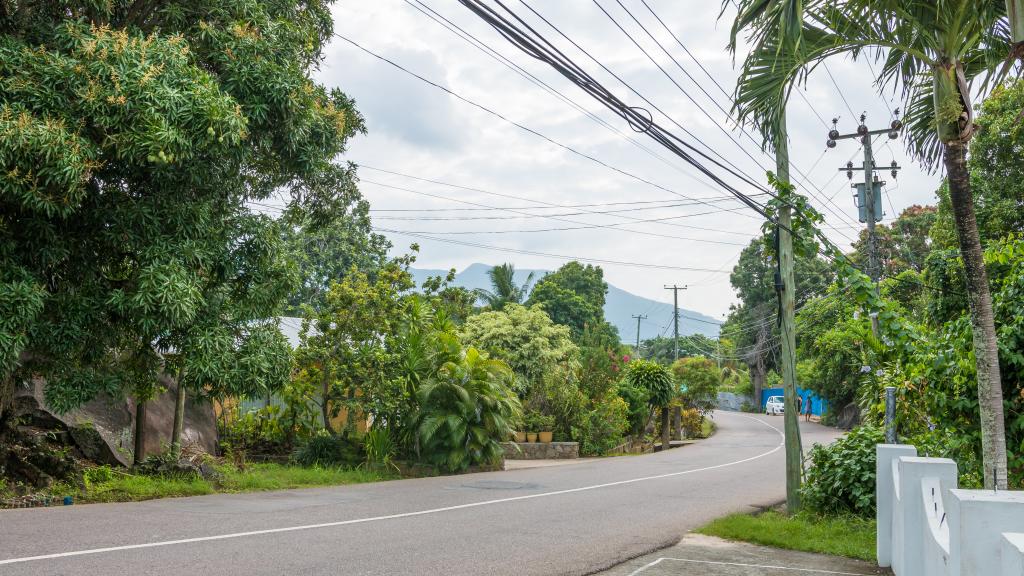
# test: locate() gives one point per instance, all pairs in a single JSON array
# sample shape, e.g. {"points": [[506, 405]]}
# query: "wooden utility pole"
{"points": [[638, 317], [675, 317], [785, 285]]}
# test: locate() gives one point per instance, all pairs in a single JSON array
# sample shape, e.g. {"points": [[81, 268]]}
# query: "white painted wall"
{"points": [[929, 527]]}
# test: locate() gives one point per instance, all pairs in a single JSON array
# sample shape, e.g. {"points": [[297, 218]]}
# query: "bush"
{"points": [[325, 449], [603, 427], [466, 412], [841, 476], [535, 421], [693, 422], [637, 408]]}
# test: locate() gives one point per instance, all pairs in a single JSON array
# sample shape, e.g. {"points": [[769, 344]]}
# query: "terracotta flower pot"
{"points": [[520, 437], [545, 437], [531, 436]]}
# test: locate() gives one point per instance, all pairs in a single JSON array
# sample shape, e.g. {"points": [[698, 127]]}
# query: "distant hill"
{"points": [[619, 306]]}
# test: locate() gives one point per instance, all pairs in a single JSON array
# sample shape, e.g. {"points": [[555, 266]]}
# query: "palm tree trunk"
{"points": [[986, 351], [1015, 14]]}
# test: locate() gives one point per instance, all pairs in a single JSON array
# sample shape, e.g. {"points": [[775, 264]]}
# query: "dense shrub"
{"points": [[466, 411], [841, 476], [325, 449], [604, 426], [637, 407]]}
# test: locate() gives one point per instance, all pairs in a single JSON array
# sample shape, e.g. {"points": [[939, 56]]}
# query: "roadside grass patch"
{"points": [[259, 477], [106, 484], [849, 536]]}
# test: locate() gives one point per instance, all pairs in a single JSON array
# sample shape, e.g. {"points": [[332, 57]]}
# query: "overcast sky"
{"points": [[419, 130]]}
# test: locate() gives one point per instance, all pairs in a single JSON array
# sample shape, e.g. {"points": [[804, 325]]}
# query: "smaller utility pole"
{"points": [[675, 317], [868, 197], [638, 317]]}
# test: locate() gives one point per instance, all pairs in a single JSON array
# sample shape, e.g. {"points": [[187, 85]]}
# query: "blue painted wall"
{"points": [[818, 406]]}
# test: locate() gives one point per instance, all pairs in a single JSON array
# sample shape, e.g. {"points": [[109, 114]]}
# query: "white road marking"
{"points": [[711, 562], [395, 516]]}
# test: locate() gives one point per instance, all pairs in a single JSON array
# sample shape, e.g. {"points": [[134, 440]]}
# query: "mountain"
{"points": [[619, 305]]}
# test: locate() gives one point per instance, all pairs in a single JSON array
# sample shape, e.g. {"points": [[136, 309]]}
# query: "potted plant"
{"points": [[546, 426], [532, 422], [520, 436]]}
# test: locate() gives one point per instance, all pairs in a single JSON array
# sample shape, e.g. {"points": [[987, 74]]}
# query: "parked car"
{"points": [[774, 406]]}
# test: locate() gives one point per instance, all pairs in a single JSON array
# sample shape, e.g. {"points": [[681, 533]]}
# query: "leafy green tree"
{"points": [[131, 134], [662, 349], [466, 411], [327, 242], [901, 246], [697, 378], [997, 178], [345, 345], [574, 296], [935, 71], [505, 290], [657, 385], [524, 338]]}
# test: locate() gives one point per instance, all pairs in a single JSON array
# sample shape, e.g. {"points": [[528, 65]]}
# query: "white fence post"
{"points": [[1013, 554], [929, 527], [885, 489], [909, 561]]}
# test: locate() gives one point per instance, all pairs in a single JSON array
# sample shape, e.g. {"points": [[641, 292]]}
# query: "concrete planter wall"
{"points": [[541, 450], [929, 527]]}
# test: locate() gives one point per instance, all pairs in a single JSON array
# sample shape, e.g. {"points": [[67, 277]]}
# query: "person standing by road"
{"points": [[810, 409]]}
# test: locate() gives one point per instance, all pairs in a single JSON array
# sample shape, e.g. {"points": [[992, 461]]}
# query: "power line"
{"points": [[562, 257], [518, 125], [805, 176], [662, 221], [500, 58]]}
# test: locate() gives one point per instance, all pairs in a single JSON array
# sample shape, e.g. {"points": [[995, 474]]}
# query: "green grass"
{"points": [[258, 477], [122, 486], [848, 536]]}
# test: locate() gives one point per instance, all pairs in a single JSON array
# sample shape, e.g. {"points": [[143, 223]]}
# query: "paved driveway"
{"points": [[571, 519]]}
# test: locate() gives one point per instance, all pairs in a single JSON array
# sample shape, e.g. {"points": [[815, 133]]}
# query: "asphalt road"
{"points": [[572, 519]]}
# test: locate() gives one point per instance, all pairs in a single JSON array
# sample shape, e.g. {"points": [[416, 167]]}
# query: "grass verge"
{"points": [[848, 536], [122, 486]]}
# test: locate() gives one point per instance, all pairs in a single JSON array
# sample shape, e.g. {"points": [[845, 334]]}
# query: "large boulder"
{"points": [[103, 429]]}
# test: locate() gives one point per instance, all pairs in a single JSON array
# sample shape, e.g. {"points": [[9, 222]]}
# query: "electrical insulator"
{"points": [[896, 125], [849, 170], [894, 168], [830, 143], [862, 130], [893, 134], [833, 134]]}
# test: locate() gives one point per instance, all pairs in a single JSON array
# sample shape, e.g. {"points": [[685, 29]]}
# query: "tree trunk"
{"points": [[1015, 16], [757, 381], [677, 423], [179, 417], [6, 396], [665, 428], [325, 405], [140, 432], [986, 350]]}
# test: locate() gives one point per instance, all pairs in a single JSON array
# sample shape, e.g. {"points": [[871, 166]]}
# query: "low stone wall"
{"points": [[541, 450], [733, 402]]}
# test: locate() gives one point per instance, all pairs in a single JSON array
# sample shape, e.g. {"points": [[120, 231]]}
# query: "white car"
{"points": [[774, 406]]}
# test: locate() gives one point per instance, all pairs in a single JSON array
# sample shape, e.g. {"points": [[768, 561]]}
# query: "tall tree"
{"points": [[574, 296], [329, 241], [966, 39], [130, 132]]}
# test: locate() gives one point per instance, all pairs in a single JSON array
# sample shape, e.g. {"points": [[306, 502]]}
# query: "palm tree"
{"points": [[932, 51], [505, 291]]}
